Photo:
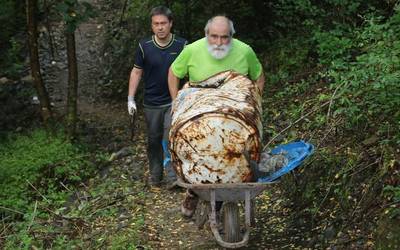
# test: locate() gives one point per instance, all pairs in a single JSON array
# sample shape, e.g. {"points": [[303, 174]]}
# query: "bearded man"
{"points": [[218, 51], [215, 53]]}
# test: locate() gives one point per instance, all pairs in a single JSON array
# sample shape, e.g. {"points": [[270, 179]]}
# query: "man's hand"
{"points": [[131, 105]]}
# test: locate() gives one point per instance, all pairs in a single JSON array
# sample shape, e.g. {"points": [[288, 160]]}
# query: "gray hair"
{"points": [[231, 28]]}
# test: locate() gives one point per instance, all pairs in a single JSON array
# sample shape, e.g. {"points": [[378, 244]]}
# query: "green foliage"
{"points": [[305, 16], [286, 57], [291, 14], [333, 46], [6, 11], [122, 35], [35, 165], [13, 62], [103, 207], [39, 178], [392, 193], [340, 81], [12, 24], [368, 87], [75, 12], [19, 113], [11, 20]]}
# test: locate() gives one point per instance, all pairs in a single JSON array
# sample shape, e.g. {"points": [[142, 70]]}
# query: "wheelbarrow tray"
{"points": [[230, 192]]}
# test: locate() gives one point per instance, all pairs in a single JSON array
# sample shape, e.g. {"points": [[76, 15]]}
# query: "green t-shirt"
{"points": [[196, 61]]}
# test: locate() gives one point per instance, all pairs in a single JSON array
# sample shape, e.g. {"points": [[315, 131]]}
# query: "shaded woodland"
{"points": [[333, 79]]}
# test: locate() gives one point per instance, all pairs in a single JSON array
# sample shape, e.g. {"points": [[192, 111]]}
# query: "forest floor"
{"points": [[107, 124], [123, 182]]}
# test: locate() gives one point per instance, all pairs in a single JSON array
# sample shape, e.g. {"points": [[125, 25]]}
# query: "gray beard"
{"points": [[219, 52]]}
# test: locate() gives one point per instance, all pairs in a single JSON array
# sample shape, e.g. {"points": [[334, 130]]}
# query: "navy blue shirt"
{"points": [[155, 61]]}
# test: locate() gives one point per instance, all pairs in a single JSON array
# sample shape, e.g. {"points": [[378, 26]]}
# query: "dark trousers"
{"points": [[158, 122]]}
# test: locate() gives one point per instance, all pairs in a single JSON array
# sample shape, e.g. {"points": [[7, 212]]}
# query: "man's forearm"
{"points": [[134, 80], [173, 84], [260, 82]]}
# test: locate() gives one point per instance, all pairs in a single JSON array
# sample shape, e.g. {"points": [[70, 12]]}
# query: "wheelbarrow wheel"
{"points": [[231, 222]]}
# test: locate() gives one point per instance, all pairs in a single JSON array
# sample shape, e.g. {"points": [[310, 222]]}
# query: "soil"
{"points": [[107, 123]]}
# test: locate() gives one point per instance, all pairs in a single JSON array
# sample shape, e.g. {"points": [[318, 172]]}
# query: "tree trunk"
{"points": [[45, 109], [121, 19], [72, 86]]}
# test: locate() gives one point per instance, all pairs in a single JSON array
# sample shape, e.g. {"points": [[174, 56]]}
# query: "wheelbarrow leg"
{"points": [[213, 214], [249, 212], [214, 226], [253, 213], [202, 213]]}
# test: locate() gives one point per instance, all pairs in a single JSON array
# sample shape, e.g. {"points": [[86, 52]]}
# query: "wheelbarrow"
{"points": [[231, 194]]}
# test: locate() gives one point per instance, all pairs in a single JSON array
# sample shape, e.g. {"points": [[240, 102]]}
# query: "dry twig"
{"points": [[11, 210], [44, 198], [295, 122], [33, 217]]}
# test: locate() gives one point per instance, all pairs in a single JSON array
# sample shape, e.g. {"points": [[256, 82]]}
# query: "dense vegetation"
{"points": [[333, 78], [332, 66], [12, 25], [38, 160]]}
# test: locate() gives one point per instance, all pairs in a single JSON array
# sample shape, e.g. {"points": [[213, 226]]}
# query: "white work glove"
{"points": [[131, 105]]}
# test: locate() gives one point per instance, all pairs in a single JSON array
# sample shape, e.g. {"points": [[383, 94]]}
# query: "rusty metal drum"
{"points": [[213, 123]]}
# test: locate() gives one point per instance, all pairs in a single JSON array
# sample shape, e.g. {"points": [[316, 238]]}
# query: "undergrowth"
{"points": [[348, 108], [40, 166], [45, 202]]}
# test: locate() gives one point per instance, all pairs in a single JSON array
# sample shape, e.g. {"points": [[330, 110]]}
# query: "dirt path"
{"points": [[164, 227]]}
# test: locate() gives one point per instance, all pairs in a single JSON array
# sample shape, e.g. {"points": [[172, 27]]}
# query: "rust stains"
{"points": [[231, 154], [212, 125]]}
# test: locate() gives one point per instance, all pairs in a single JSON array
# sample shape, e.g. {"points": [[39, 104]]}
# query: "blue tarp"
{"points": [[167, 155], [295, 152]]}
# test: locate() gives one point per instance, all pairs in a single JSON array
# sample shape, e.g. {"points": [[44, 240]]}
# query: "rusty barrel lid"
{"points": [[213, 122]]}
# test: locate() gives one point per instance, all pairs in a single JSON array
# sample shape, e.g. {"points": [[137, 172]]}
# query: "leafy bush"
{"points": [[33, 166], [368, 87], [333, 46], [13, 61], [348, 107], [288, 60], [11, 16], [121, 38], [74, 13], [12, 22]]}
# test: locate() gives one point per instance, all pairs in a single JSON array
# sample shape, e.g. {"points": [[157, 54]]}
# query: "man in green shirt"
{"points": [[215, 53]]}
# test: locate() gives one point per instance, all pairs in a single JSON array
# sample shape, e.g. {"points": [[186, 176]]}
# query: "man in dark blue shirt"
{"points": [[153, 58]]}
